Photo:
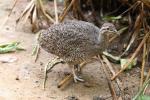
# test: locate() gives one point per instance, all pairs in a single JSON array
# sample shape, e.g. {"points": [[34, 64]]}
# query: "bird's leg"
{"points": [[78, 68], [49, 67], [53, 63], [75, 75]]}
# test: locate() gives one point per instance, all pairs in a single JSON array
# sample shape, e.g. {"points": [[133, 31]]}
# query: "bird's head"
{"points": [[108, 29]]}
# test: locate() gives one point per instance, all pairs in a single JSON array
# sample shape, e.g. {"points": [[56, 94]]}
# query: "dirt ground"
{"points": [[22, 79]]}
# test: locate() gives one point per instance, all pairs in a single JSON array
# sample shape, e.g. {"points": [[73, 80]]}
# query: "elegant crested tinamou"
{"points": [[76, 41]]}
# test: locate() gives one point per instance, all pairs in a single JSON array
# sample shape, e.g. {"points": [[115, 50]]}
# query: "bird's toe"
{"points": [[76, 79]]}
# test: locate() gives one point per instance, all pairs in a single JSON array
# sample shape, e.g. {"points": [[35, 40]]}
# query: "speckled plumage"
{"points": [[75, 41]]}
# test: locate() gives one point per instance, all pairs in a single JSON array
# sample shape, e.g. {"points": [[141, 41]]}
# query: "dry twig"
{"points": [[137, 27], [43, 11], [147, 77], [133, 56], [113, 72], [34, 10], [111, 87], [56, 12], [5, 20], [67, 79], [61, 17], [143, 65]]}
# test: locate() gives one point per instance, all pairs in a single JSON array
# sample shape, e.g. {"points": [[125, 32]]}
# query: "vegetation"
{"points": [[131, 15]]}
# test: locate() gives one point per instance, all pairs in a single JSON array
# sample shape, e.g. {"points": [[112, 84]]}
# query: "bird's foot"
{"points": [[77, 78], [76, 74]]}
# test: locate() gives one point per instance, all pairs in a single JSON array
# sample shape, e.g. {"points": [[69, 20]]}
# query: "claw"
{"points": [[75, 75], [76, 79]]}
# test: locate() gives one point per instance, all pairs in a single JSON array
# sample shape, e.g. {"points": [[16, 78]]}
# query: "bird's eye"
{"points": [[107, 28]]}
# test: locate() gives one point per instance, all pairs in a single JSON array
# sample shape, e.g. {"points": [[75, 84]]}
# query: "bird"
{"points": [[76, 41]]}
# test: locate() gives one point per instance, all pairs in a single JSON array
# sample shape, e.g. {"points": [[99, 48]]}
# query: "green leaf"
{"points": [[144, 97], [140, 92], [124, 61], [110, 18], [10, 47]]}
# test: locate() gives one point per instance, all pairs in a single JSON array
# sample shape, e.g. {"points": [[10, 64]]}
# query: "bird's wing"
{"points": [[70, 39], [75, 43]]}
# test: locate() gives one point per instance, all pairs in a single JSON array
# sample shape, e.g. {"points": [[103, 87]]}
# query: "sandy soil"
{"points": [[22, 79]]}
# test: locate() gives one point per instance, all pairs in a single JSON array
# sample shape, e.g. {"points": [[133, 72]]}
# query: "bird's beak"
{"points": [[116, 32]]}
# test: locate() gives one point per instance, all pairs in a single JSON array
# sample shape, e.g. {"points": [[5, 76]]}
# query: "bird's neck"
{"points": [[104, 39], [103, 35]]}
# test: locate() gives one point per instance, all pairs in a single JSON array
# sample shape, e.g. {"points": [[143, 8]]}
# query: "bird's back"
{"points": [[72, 41]]}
